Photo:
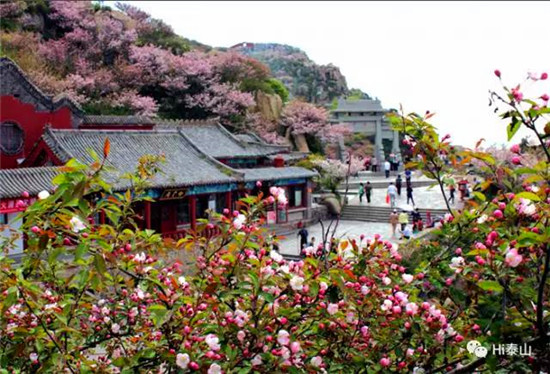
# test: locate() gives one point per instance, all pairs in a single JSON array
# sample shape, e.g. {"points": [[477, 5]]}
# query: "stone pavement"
{"points": [[346, 229], [424, 197]]}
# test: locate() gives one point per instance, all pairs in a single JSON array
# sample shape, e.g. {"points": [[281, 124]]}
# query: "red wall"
{"points": [[32, 123]]}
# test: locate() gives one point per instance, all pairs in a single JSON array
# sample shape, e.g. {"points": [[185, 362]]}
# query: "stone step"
{"points": [[380, 214]]}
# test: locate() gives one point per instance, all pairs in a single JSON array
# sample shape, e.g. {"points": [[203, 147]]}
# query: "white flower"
{"points": [[256, 361], [213, 342], [534, 188], [387, 305], [407, 278], [34, 357], [365, 290], [386, 281], [283, 337], [182, 281], [239, 221], [140, 258], [297, 283], [316, 361], [526, 207], [456, 263], [275, 256], [115, 328], [323, 286], [43, 195], [284, 269], [332, 309], [76, 224], [482, 219], [182, 360], [215, 369]]}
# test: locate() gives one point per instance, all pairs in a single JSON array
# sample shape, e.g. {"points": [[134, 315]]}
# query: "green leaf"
{"points": [[489, 285], [527, 195], [158, 312], [513, 127]]}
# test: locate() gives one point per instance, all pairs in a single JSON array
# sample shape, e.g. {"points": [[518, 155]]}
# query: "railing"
{"points": [[179, 234]]}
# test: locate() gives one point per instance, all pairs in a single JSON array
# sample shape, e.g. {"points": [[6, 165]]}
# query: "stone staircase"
{"points": [[379, 213]]}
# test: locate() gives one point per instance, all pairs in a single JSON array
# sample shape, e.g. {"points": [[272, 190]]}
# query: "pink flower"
{"points": [[34, 357], [332, 309], [544, 76], [513, 259], [515, 148], [407, 278], [518, 96], [213, 342], [498, 214], [258, 184], [283, 337], [35, 229], [115, 328], [516, 160], [497, 73], [385, 362], [182, 360], [411, 309], [215, 369], [316, 361], [295, 347]]}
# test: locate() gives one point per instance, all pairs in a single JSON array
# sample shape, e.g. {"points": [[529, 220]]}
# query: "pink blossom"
{"points": [[515, 148], [283, 337], [317, 361], [407, 278], [213, 342], [513, 259], [497, 73], [182, 360], [385, 362], [295, 347], [332, 309]]}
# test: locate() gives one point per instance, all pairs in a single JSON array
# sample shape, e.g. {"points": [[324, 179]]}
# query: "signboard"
{"points": [[173, 193], [271, 217]]}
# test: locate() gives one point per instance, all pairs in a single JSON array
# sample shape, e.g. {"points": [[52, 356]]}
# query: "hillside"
{"points": [[303, 77]]}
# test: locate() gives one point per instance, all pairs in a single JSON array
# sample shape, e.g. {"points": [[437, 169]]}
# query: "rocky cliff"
{"points": [[304, 78]]}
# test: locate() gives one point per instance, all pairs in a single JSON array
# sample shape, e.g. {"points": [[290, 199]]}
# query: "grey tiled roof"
{"points": [[359, 106], [33, 180], [184, 165], [8, 65], [272, 173], [117, 120], [216, 141]]}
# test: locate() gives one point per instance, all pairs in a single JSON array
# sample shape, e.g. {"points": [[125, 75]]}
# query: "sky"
{"points": [[436, 56]]}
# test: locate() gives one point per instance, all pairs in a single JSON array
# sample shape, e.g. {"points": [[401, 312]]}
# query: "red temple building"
{"points": [[207, 167]]}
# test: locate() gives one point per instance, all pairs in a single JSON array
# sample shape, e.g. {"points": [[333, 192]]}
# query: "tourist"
{"points": [[410, 194], [387, 167], [367, 162], [417, 220], [303, 234], [361, 192], [374, 164], [462, 187], [406, 233], [392, 193], [312, 242], [398, 184], [408, 175], [403, 219], [392, 161], [394, 219], [452, 193], [368, 191]]}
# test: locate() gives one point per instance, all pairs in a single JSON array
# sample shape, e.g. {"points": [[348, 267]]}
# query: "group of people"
{"points": [[390, 164], [394, 190], [403, 220]]}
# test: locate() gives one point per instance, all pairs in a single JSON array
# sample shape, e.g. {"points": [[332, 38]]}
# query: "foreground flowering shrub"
{"points": [[106, 298]]}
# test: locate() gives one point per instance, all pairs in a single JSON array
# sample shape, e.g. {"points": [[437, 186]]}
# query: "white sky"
{"points": [[436, 56]]}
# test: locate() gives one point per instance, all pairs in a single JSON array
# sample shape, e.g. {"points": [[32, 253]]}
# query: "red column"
{"points": [[102, 217], [228, 200], [147, 214], [193, 211]]}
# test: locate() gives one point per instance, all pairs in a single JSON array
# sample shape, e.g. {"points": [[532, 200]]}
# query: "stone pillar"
{"points": [[378, 147]]}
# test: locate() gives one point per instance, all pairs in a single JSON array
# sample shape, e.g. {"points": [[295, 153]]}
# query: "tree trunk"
{"points": [[301, 143]]}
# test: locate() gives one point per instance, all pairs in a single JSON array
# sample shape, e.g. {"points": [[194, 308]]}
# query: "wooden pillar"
{"points": [[228, 200], [147, 214], [193, 211], [102, 217]]}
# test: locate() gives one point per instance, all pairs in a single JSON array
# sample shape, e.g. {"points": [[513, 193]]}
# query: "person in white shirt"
{"points": [[387, 167], [392, 192]]}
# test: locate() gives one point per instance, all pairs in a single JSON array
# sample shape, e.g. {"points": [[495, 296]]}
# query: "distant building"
{"points": [[367, 117], [207, 168]]}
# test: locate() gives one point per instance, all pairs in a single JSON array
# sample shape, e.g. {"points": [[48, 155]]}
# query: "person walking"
{"points": [[399, 184], [368, 191], [452, 193], [392, 193], [403, 219], [361, 192], [387, 167], [394, 220], [374, 164], [303, 234], [408, 175], [410, 194]]}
